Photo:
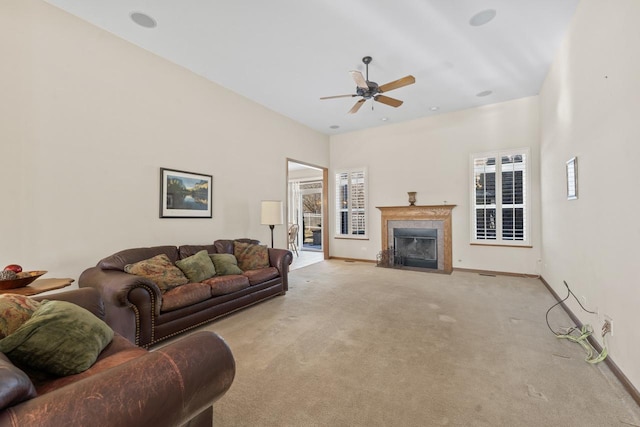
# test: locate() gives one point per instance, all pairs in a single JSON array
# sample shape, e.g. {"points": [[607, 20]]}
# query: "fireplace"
{"points": [[415, 247], [417, 237]]}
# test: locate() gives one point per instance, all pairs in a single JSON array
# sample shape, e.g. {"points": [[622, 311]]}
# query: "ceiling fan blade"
{"points": [[359, 79], [357, 106], [405, 81], [387, 100], [338, 96]]}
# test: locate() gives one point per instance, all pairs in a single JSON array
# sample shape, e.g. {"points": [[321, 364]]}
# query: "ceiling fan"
{"points": [[367, 89]]}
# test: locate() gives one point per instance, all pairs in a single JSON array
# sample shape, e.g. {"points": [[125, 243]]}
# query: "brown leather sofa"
{"points": [[135, 307], [175, 385]]}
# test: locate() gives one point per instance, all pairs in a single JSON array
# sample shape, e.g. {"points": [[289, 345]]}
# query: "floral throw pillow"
{"points": [[250, 256], [14, 311], [159, 270]]}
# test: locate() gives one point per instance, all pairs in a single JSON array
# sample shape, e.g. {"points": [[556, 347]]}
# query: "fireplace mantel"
{"points": [[421, 213]]}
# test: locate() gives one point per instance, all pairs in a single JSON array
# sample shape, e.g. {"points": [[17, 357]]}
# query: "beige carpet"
{"points": [[352, 344]]}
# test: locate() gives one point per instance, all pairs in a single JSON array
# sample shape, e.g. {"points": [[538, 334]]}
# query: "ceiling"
{"points": [[286, 54]]}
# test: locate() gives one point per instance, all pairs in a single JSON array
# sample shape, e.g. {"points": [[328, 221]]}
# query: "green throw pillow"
{"points": [[225, 264], [250, 256], [160, 270], [197, 267], [60, 338]]}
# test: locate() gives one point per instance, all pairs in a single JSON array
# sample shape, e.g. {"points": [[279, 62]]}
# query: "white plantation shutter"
{"points": [[514, 197], [484, 169], [351, 203], [500, 197]]}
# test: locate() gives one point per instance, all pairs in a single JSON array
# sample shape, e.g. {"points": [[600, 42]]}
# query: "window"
{"points": [[351, 203], [500, 198]]}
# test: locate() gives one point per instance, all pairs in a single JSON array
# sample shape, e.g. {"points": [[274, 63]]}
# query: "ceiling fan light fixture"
{"points": [[367, 89], [143, 20], [482, 18]]}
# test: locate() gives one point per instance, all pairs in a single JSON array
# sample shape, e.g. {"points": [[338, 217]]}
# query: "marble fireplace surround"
{"points": [[436, 216]]}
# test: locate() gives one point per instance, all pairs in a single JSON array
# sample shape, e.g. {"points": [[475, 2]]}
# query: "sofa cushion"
{"points": [[159, 270], [225, 246], [14, 311], [185, 295], [120, 259], [188, 250], [222, 285], [197, 267], [261, 275], [225, 264], [60, 338], [250, 256], [15, 385]]}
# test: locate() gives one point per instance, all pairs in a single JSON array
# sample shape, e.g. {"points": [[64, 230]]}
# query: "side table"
{"points": [[39, 286]]}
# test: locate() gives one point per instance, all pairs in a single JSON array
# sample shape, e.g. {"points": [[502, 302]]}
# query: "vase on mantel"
{"points": [[412, 198]]}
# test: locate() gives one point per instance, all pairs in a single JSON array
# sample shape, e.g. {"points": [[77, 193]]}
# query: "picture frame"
{"points": [[185, 194], [572, 178]]}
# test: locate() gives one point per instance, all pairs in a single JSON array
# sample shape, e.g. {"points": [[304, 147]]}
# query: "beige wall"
{"points": [[88, 119], [431, 156], [590, 104]]}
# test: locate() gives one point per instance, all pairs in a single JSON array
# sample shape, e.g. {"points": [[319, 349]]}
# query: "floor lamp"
{"points": [[272, 214]]}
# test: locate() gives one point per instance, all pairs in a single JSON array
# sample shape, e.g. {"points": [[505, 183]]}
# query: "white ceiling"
{"points": [[286, 54]]}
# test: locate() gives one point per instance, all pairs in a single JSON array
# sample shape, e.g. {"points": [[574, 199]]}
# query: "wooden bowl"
{"points": [[21, 282]]}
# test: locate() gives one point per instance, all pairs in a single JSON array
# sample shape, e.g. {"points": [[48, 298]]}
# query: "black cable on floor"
{"points": [[569, 293], [583, 333]]}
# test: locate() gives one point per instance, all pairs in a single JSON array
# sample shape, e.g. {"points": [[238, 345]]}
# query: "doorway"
{"points": [[311, 208], [307, 207]]}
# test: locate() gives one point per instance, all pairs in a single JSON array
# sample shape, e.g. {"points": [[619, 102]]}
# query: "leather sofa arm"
{"points": [[281, 259], [165, 387], [128, 299], [87, 298]]}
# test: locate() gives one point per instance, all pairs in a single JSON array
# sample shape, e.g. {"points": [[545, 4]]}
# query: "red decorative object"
{"points": [[14, 267]]}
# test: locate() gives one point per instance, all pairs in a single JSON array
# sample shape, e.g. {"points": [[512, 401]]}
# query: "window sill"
{"points": [[502, 245], [352, 237]]}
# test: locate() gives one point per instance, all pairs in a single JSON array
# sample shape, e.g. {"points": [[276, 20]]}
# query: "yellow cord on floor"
{"points": [[582, 339]]}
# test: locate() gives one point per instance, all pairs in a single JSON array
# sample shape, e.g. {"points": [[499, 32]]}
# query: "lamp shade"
{"points": [[272, 212]]}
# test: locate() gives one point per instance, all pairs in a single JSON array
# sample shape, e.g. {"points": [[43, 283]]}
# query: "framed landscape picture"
{"points": [[185, 194]]}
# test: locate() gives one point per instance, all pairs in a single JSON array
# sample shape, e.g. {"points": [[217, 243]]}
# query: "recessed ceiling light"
{"points": [[384, 119], [143, 20], [482, 18], [434, 108], [484, 93], [334, 127]]}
